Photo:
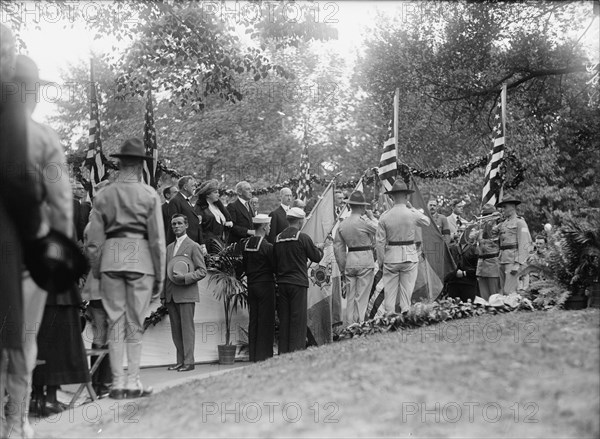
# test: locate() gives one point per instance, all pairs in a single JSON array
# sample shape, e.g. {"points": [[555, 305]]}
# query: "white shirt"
{"points": [[285, 208], [178, 242]]}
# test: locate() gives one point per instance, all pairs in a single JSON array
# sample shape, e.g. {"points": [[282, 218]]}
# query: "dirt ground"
{"points": [[522, 374]]}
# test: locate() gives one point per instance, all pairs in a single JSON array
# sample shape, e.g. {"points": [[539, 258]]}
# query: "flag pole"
{"points": [[314, 209], [396, 107], [503, 122]]}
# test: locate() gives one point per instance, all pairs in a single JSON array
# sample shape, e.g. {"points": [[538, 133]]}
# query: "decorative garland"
{"points": [[421, 314], [510, 161]]}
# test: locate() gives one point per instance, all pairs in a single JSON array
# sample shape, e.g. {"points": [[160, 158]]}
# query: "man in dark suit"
{"points": [[241, 213], [81, 213], [181, 293], [181, 203], [279, 222], [168, 192]]}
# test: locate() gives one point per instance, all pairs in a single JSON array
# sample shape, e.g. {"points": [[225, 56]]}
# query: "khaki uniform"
{"points": [[397, 251], [353, 249], [127, 251], [515, 244], [488, 264]]}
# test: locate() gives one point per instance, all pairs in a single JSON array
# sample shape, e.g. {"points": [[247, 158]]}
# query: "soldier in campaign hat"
{"points": [[126, 218], [488, 252], [515, 244], [397, 253], [353, 249]]}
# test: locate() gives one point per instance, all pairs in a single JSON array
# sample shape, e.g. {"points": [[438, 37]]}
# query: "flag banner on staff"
{"points": [[435, 260], [149, 171], [303, 192], [318, 226], [492, 185], [94, 159]]}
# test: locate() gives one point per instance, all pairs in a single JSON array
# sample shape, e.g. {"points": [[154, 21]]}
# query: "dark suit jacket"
{"points": [[166, 218], [178, 204], [211, 228], [188, 292], [242, 221], [278, 224], [77, 220]]}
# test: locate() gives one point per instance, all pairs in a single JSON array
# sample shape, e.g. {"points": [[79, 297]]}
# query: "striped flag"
{"points": [[492, 185], [94, 159], [303, 192], [149, 171], [388, 165]]}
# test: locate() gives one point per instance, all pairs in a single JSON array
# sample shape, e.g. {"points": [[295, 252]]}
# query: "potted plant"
{"points": [[569, 266], [229, 287]]}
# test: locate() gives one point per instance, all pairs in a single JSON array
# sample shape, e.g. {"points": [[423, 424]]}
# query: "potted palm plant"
{"points": [[229, 287], [569, 266]]}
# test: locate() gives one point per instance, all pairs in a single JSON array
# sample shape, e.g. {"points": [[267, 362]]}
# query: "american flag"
{"points": [[492, 186], [149, 172], [303, 191], [94, 159], [388, 165]]}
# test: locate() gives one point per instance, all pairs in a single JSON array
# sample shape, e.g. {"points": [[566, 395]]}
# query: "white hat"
{"points": [[296, 212], [261, 218]]}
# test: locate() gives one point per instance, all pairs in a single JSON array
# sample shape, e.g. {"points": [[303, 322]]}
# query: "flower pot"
{"points": [[227, 353], [577, 300], [594, 299]]}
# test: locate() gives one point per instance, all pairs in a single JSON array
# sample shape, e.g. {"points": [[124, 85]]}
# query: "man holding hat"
{"points": [[488, 251], [185, 267], [515, 244], [292, 249], [353, 249], [127, 251], [259, 266], [396, 250]]}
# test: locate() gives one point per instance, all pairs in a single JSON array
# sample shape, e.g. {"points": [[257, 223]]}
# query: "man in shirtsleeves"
{"points": [[259, 265], [127, 251], [353, 249], [396, 250]]}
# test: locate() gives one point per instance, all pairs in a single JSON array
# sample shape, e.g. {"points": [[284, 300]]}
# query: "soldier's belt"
{"points": [[489, 256], [508, 246], [127, 235], [360, 249], [398, 243]]}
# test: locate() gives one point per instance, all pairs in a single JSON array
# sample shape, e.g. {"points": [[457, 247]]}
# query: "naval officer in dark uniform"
{"points": [[292, 251], [259, 266]]}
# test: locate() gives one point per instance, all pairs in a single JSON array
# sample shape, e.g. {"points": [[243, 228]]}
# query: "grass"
{"points": [[523, 374]]}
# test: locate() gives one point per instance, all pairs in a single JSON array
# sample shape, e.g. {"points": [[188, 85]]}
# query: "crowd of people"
{"points": [[142, 251]]}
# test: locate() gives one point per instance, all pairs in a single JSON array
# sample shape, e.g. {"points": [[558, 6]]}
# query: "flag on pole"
{"points": [[94, 159], [492, 186], [303, 192], [149, 171], [318, 226], [388, 165]]}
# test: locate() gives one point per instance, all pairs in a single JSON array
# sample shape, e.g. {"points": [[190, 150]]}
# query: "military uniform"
{"points": [[356, 234], [292, 249], [259, 265], [515, 243], [397, 251], [127, 251], [488, 264]]}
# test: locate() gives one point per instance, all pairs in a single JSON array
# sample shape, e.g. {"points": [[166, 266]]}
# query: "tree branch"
{"points": [[530, 75]]}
